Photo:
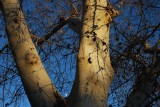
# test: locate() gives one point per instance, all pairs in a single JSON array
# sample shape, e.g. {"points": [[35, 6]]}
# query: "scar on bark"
{"points": [[111, 10], [90, 60], [31, 58]]}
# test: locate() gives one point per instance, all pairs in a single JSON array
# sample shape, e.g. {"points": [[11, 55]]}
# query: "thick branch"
{"points": [[37, 84]]}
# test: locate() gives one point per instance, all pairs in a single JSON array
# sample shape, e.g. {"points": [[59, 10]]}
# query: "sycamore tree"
{"points": [[94, 72], [71, 39]]}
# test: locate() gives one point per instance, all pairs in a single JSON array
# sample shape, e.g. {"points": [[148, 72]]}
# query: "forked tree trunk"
{"points": [[38, 86], [94, 71]]}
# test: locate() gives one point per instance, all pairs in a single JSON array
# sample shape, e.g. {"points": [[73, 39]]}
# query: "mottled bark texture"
{"points": [[37, 84], [94, 71]]}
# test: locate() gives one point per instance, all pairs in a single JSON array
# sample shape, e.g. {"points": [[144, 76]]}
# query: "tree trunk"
{"points": [[38, 86], [143, 88], [94, 71]]}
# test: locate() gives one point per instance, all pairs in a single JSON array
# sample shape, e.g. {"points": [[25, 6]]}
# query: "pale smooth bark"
{"points": [[37, 84], [94, 71]]}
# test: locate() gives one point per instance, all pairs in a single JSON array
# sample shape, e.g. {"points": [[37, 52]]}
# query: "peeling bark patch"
{"points": [[34, 71], [88, 36], [102, 100], [31, 58], [87, 83], [31, 48], [94, 39], [111, 10], [95, 26], [107, 25], [86, 7], [86, 89], [87, 32], [22, 31], [109, 20], [16, 20], [22, 40], [90, 60], [104, 43], [94, 33]]}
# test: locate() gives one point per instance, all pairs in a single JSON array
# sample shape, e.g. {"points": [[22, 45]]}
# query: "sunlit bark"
{"points": [[94, 71], [38, 86]]}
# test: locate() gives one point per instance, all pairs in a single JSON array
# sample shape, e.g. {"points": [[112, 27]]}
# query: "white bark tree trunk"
{"points": [[38, 86], [94, 71]]}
